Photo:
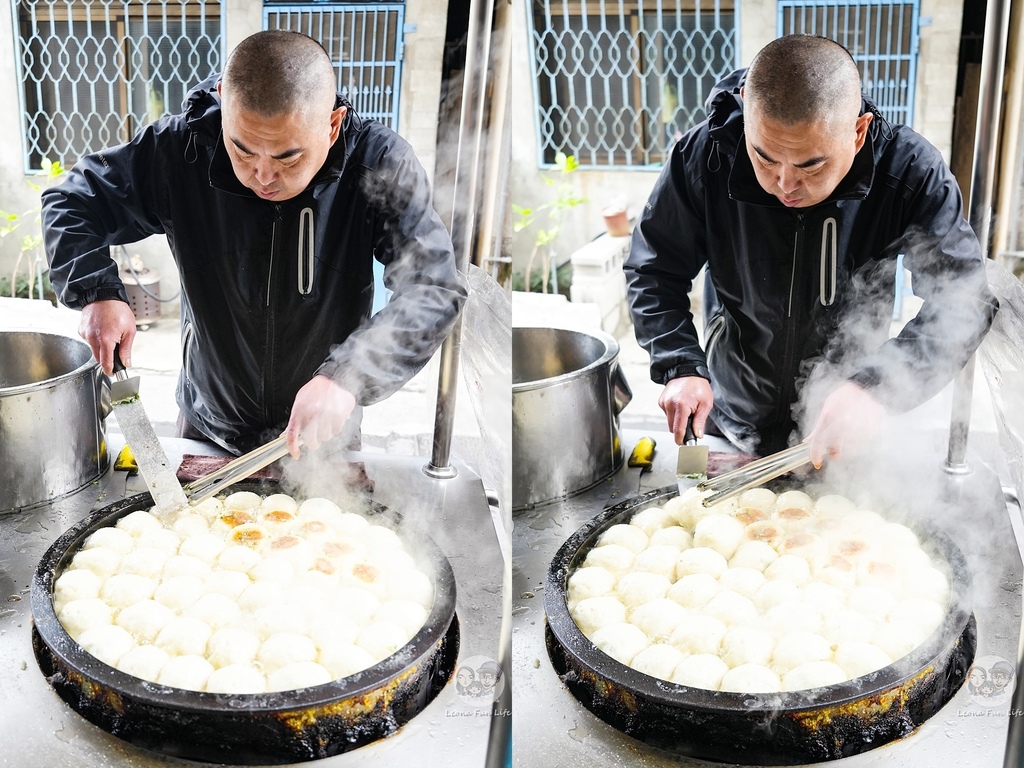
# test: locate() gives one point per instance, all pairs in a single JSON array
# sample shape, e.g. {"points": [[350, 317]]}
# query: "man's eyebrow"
{"points": [[805, 164], [283, 156]]}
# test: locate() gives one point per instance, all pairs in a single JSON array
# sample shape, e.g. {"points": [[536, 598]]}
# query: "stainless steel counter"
{"points": [[38, 729], [549, 722]]}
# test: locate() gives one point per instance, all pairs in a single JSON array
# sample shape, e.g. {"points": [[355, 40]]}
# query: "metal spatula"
{"points": [[692, 464], [138, 433]]}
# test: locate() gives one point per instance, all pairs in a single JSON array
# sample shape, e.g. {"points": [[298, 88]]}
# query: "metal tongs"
{"points": [[238, 469], [730, 484]]}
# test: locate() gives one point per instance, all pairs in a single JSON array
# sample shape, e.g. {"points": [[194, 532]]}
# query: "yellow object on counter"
{"points": [[125, 461], [643, 453]]}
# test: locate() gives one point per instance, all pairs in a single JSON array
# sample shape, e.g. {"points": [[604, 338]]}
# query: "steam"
{"points": [[914, 366], [1001, 359], [899, 473]]}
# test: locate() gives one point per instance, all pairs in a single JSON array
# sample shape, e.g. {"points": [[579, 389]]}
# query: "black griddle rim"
{"points": [[568, 635], [52, 633]]}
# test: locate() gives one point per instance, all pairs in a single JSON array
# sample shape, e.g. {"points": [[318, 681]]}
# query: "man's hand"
{"points": [[320, 412], [104, 324], [683, 396], [849, 419]]}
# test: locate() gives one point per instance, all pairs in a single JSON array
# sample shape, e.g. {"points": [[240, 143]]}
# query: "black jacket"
{"points": [[272, 293], [779, 281]]}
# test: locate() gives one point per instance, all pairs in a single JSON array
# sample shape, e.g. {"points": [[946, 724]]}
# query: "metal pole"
{"points": [[465, 202], [986, 133]]}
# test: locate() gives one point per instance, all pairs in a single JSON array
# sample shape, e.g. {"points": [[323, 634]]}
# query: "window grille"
{"points": [[618, 81], [365, 43], [96, 71], [883, 37]]}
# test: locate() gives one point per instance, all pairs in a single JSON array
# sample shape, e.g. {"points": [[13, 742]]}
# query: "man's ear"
{"points": [[337, 116], [861, 128]]}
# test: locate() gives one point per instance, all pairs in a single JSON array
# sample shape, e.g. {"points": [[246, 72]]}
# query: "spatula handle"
{"points": [[689, 438], [120, 372]]}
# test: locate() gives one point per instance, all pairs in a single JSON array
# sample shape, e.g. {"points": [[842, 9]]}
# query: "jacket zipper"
{"points": [[273, 247], [792, 274], [829, 262], [714, 330], [787, 374], [186, 351], [306, 254], [269, 345]]}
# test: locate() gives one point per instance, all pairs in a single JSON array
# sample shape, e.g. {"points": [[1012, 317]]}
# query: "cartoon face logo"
{"points": [[479, 681], [1001, 674], [976, 677], [990, 681], [464, 677]]}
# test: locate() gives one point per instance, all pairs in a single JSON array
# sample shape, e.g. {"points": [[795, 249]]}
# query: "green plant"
{"points": [[545, 220], [35, 279], [563, 279]]}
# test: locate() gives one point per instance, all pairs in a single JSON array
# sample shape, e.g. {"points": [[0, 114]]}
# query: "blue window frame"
{"points": [[365, 42], [882, 35], [618, 81], [94, 72]]}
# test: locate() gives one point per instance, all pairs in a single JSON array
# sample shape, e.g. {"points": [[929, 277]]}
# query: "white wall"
{"points": [[421, 77], [935, 95]]}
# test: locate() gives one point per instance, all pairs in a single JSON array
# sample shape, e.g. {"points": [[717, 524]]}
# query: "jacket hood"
{"points": [[723, 105], [201, 109]]}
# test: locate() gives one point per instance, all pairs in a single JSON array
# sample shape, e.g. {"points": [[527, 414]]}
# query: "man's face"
{"points": [[802, 164], [487, 679], [276, 157], [1000, 678]]}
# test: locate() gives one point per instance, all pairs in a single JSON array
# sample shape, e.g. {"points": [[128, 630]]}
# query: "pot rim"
{"points": [[85, 368], [611, 351]]}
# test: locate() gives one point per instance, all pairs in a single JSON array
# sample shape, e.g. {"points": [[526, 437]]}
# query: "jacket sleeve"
{"points": [[667, 251], [107, 198], [380, 356], [948, 272]]}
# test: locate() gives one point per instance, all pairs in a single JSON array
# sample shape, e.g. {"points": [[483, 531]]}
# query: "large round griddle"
{"points": [[251, 729], [760, 729]]}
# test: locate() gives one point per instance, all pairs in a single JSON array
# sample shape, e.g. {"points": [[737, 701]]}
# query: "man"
{"points": [[797, 196], [275, 197], [1001, 674]]}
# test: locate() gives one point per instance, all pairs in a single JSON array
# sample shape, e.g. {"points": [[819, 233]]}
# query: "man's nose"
{"points": [[788, 181], [265, 173]]}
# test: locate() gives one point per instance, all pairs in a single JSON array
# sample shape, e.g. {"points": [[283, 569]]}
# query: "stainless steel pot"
{"points": [[567, 392], [52, 410]]}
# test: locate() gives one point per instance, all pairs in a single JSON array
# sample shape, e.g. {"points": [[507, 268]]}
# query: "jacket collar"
{"points": [[203, 118]]}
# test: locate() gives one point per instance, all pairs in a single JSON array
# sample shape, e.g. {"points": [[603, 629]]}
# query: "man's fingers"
{"points": [[127, 342], [700, 418], [292, 441]]}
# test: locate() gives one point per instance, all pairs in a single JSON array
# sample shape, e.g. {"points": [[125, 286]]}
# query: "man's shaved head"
{"points": [[277, 112], [277, 72], [803, 78]]}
